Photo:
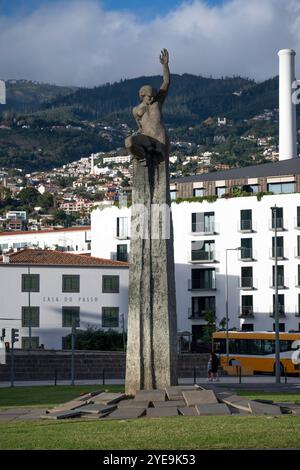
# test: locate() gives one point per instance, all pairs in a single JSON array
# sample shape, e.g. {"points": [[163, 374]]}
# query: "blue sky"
{"points": [[91, 42], [141, 8]]}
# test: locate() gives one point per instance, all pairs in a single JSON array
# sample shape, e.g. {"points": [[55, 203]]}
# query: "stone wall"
{"points": [[89, 365]]}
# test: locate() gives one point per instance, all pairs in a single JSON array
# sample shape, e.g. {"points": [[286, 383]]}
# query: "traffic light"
{"points": [[3, 333], [14, 335]]}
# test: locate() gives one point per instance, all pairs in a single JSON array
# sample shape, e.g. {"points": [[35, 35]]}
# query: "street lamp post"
{"points": [[276, 309], [29, 308], [226, 301]]}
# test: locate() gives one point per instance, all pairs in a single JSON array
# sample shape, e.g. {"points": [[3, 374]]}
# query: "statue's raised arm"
{"points": [[164, 60]]}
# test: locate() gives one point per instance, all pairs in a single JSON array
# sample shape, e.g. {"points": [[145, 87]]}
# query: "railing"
{"points": [[202, 256], [280, 224], [203, 228], [281, 311], [246, 312], [282, 282], [245, 225], [246, 283], [196, 314], [246, 254], [281, 252], [199, 284]]}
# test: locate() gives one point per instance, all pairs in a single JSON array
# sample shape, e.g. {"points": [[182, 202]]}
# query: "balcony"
{"points": [[201, 256], [282, 282], [281, 224], [196, 314], [281, 312], [247, 254], [203, 228], [247, 283], [246, 312], [281, 253], [200, 284], [246, 226]]}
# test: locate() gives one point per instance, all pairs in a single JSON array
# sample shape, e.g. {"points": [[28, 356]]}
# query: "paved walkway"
{"points": [[260, 379]]}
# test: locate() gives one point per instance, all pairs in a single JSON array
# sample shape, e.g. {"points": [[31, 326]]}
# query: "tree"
{"points": [[62, 218], [210, 326], [29, 196], [46, 201]]}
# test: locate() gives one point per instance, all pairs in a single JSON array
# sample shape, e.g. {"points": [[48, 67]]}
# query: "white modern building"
{"points": [[205, 234], [42, 291], [75, 239]]}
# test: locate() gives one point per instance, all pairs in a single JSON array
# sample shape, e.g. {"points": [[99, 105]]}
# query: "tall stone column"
{"points": [[151, 359]]}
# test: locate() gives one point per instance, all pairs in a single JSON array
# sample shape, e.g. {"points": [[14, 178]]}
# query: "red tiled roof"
{"points": [[84, 228], [56, 258]]}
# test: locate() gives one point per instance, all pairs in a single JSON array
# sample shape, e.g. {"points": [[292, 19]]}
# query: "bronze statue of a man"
{"points": [[151, 137]]}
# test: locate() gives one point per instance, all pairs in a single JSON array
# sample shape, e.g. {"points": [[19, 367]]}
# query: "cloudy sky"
{"points": [[90, 42]]}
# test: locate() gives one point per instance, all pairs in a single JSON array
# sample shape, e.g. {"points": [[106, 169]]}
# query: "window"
{"points": [[246, 220], [203, 279], [203, 222], [71, 283], [298, 217], [68, 314], [298, 278], [298, 246], [247, 277], [280, 276], [203, 251], [277, 218], [122, 227], [200, 305], [221, 190], [247, 327], [246, 245], [247, 305], [122, 254], [110, 317], [173, 194], [280, 247], [34, 340], [110, 284], [281, 327], [198, 192], [278, 188], [280, 304], [31, 316], [30, 282]]}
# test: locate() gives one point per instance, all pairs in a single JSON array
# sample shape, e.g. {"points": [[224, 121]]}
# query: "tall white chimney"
{"points": [[287, 109]]}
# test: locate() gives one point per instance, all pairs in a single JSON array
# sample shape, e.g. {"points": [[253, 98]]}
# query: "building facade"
{"points": [[206, 238], [43, 291], [76, 239]]}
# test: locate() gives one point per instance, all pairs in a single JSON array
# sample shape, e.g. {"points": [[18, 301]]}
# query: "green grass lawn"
{"points": [[217, 432]]}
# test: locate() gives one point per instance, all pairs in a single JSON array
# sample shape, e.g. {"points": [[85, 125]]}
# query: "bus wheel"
{"points": [[281, 370]]}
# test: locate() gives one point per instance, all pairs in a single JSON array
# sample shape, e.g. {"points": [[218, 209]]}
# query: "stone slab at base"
{"points": [[107, 398], [199, 397], [126, 413], [150, 395], [264, 409], [219, 409], [162, 411], [188, 411]]}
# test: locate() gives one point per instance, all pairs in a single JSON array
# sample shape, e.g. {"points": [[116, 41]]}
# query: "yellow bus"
{"points": [[255, 350]]}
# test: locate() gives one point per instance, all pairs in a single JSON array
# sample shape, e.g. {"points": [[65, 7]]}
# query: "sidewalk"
{"points": [[232, 381]]}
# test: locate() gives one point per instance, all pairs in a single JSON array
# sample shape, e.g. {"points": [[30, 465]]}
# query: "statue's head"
{"points": [[147, 94]]}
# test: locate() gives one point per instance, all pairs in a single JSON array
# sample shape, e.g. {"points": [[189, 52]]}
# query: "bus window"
{"points": [[285, 345], [255, 347], [268, 346]]}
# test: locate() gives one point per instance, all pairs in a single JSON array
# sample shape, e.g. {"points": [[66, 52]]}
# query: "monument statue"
{"points": [[151, 359]]}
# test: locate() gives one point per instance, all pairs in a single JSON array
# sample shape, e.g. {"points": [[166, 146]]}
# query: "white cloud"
{"points": [[78, 43]]}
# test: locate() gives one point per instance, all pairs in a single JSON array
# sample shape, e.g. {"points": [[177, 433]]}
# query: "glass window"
{"points": [[278, 188], [31, 316], [203, 222], [30, 282], [280, 276], [247, 276], [110, 317], [277, 216], [34, 340], [68, 313], [246, 245], [203, 251], [71, 283], [110, 284], [198, 192], [246, 219], [173, 194], [221, 190], [122, 227], [281, 327], [268, 346], [247, 327], [200, 305], [122, 254], [280, 251]]}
